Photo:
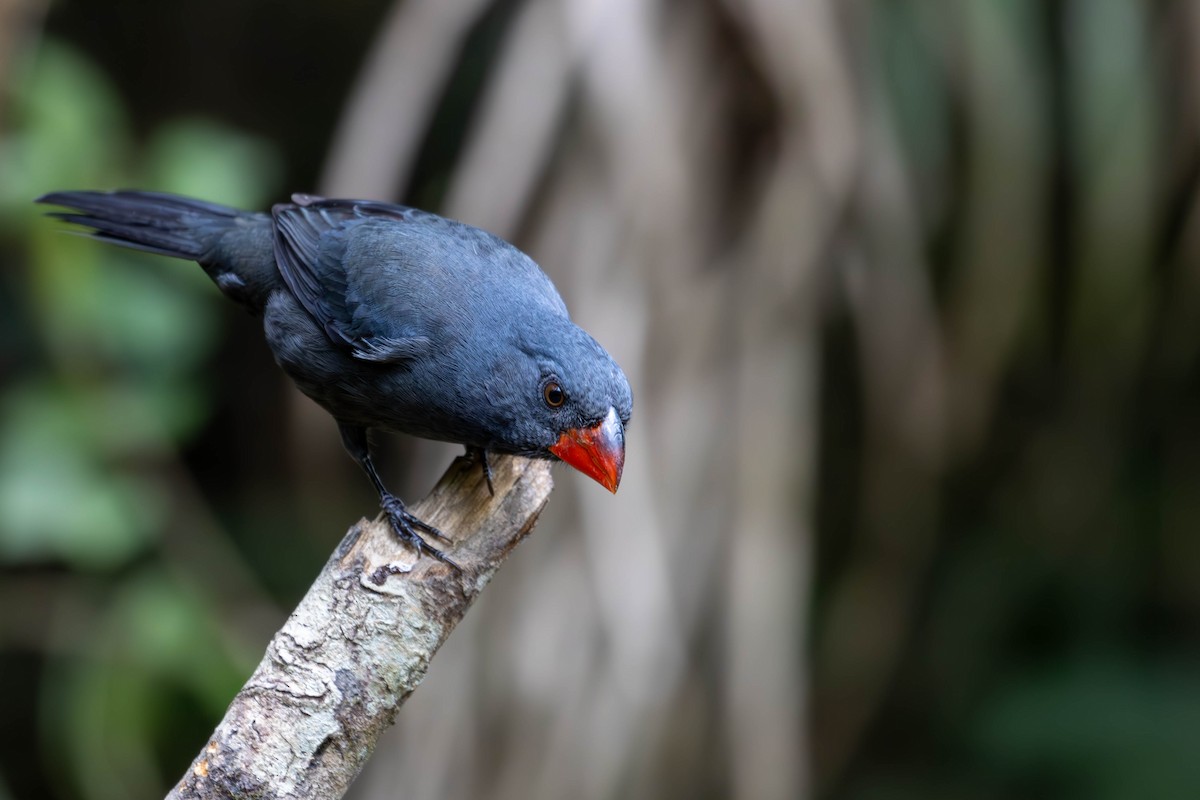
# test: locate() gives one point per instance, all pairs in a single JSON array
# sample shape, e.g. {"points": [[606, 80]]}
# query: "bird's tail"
{"points": [[158, 223], [233, 246]]}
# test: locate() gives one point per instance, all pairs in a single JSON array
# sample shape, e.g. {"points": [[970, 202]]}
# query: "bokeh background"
{"points": [[909, 295]]}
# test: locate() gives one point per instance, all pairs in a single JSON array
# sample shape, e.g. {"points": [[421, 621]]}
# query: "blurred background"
{"points": [[908, 293]]}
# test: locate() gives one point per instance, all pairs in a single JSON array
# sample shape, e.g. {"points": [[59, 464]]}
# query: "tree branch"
{"points": [[360, 641]]}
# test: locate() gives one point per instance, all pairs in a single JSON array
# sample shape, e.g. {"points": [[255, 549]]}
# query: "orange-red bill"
{"points": [[598, 451]]}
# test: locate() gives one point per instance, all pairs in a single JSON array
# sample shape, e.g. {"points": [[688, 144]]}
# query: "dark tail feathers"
{"points": [[158, 223]]}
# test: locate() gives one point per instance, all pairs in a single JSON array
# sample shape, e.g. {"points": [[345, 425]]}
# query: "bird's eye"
{"points": [[553, 394]]}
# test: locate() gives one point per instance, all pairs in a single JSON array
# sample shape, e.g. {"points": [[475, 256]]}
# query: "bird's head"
{"points": [[564, 397]]}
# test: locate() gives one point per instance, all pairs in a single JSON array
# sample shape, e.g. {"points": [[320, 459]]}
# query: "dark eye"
{"points": [[553, 394]]}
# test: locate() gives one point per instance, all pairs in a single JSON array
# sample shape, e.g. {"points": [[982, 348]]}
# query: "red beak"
{"points": [[598, 452]]}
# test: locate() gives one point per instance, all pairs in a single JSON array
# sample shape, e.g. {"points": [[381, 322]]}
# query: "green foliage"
{"points": [[124, 334], [90, 429], [115, 714], [58, 498], [67, 125], [1098, 726]]}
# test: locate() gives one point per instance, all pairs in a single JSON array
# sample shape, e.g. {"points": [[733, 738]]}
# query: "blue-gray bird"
{"points": [[399, 320]]}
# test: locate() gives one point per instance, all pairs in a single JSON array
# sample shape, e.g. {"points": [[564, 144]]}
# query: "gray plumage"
{"points": [[388, 317]]}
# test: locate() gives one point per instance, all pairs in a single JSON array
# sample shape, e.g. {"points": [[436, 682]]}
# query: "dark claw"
{"points": [[480, 456], [396, 509], [405, 526]]}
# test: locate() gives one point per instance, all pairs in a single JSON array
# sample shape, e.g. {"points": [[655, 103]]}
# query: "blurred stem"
{"points": [[16, 17]]}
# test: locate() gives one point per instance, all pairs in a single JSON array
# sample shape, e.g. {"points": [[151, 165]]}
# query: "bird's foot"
{"points": [[479, 456], [405, 526]]}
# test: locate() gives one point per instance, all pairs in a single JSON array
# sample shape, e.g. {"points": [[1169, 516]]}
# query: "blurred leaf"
{"points": [[170, 633], [1115, 113], [211, 161], [1104, 725], [156, 654], [125, 332], [58, 497], [68, 129], [914, 86], [100, 308]]}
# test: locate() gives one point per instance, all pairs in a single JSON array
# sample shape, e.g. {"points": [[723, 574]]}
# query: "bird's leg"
{"points": [[480, 456], [405, 525]]}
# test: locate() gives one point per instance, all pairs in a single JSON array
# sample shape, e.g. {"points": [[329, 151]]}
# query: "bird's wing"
{"points": [[311, 236]]}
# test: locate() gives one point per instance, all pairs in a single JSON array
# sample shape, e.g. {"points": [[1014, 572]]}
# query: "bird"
{"points": [[399, 320]]}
